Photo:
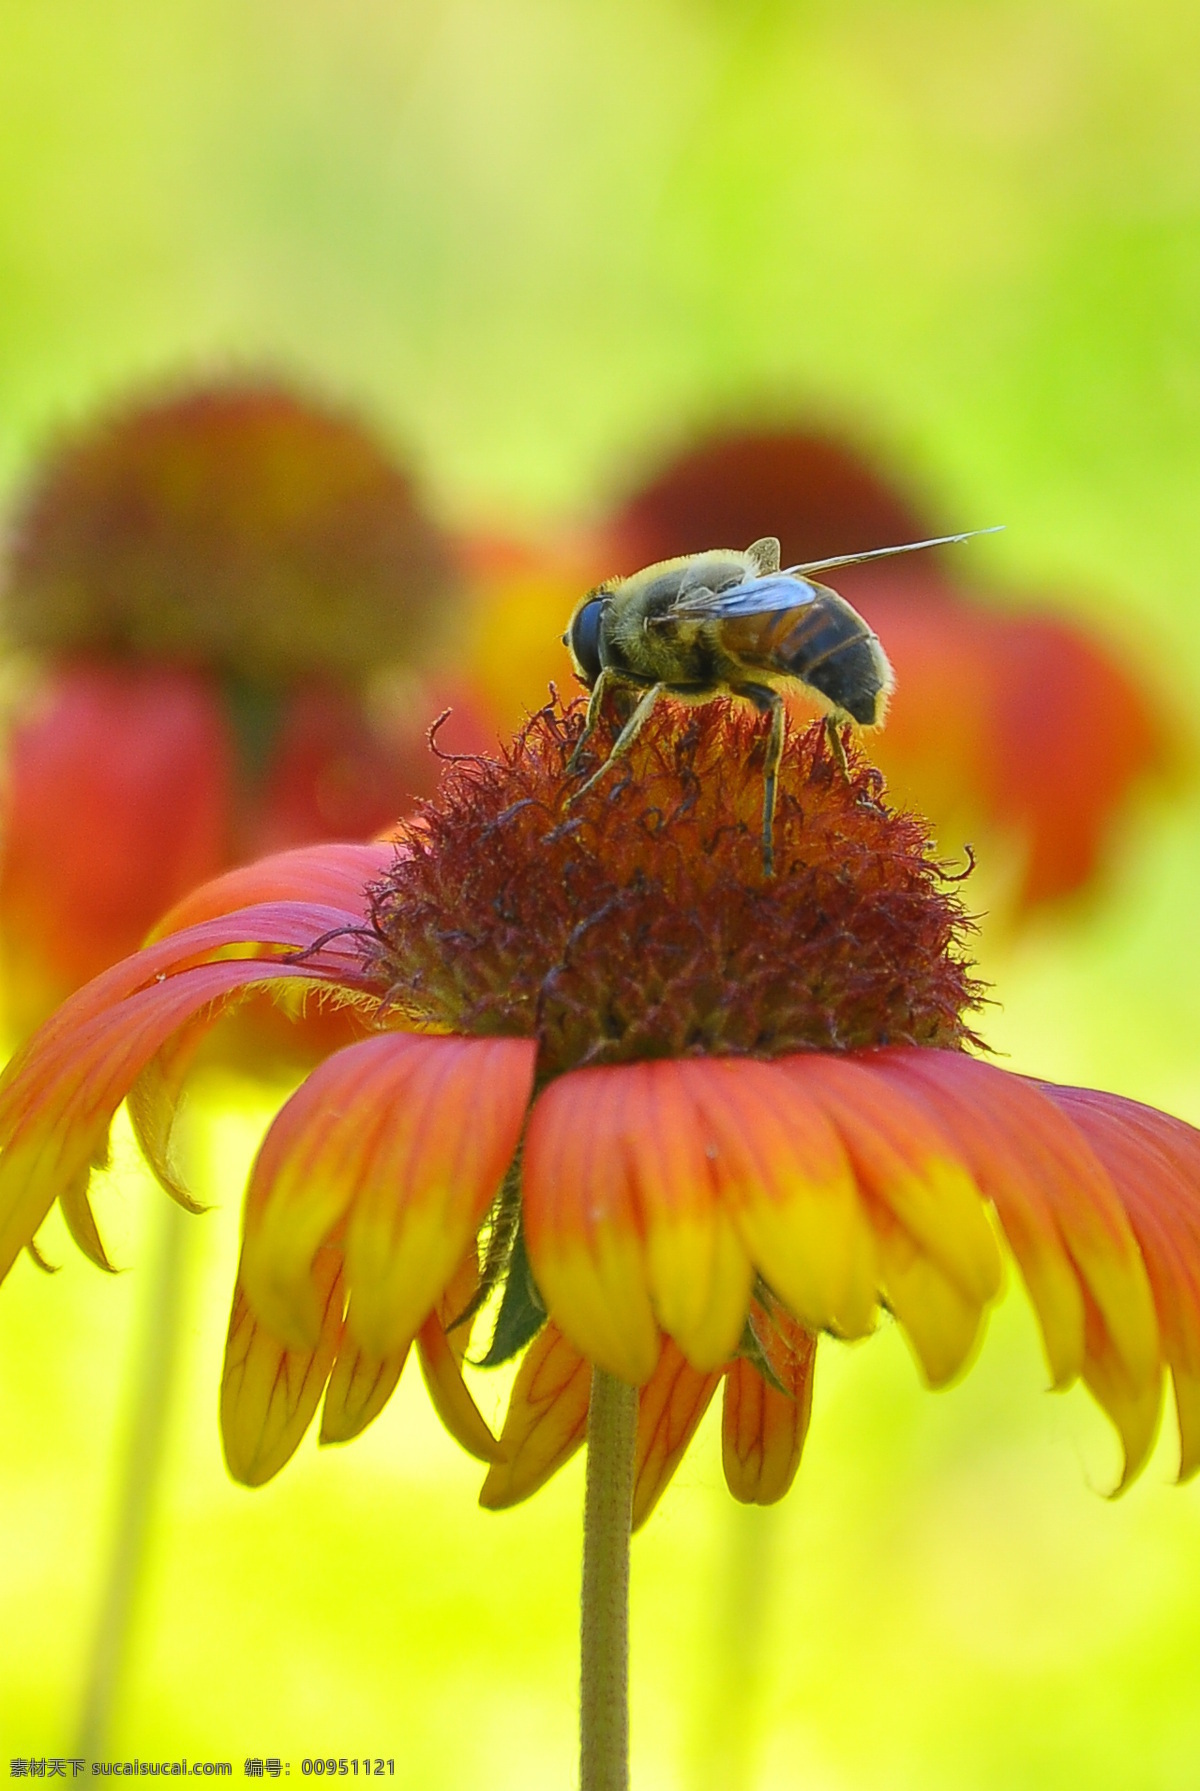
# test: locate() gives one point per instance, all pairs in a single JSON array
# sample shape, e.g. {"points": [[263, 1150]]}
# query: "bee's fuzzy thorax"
{"points": [[638, 923]]}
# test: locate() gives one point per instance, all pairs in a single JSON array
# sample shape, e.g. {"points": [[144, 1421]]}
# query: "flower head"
{"points": [[231, 526], [645, 1109], [207, 587], [635, 923]]}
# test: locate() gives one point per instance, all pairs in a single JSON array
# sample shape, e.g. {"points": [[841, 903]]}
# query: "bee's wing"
{"points": [[753, 597]]}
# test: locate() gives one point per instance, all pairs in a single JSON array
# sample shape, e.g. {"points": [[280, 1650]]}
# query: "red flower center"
{"points": [[636, 922]]}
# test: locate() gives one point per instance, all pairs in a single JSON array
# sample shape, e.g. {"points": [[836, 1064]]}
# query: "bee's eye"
{"points": [[584, 640]]}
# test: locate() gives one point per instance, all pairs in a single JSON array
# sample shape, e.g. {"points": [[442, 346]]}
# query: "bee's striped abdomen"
{"points": [[826, 645]]}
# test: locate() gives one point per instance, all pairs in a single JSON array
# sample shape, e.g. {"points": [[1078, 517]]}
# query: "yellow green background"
{"points": [[538, 241]]}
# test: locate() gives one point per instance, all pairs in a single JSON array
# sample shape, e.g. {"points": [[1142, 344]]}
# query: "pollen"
{"points": [[636, 922]]}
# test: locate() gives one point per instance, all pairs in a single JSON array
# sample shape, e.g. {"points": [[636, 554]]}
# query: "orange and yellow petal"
{"points": [[763, 1426], [457, 1297], [59, 1093], [398, 1144], [154, 1100], [583, 1229], [258, 937], [1017, 1152], [269, 1392], [623, 1221], [331, 876], [1028, 1148], [58, 1097], [697, 1270], [359, 1387], [904, 1161], [450, 1395], [1097, 1230], [1154, 1162], [546, 1420], [285, 1028], [783, 1175], [939, 1258], [81, 1223], [361, 1383], [670, 1407], [1070, 1219], [433, 1170], [1055, 1200], [1133, 1404], [942, 1323]]}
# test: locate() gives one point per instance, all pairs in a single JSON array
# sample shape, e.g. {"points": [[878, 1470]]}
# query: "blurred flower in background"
{"points": [[230, 610], [1019, 722]]}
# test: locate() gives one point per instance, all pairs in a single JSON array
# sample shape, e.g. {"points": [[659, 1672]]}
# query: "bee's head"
{"points": [[582, 639]]}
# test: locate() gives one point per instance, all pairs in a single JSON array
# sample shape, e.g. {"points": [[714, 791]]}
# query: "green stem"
{"points": [[157, 1351], [608, 1506]]}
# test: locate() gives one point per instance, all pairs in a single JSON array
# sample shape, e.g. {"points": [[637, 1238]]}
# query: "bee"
{"points": [[725, 623]]}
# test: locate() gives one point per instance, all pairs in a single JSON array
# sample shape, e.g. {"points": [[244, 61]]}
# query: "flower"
{"points": [[651, 1110], [205, 586], [1018, 720]]}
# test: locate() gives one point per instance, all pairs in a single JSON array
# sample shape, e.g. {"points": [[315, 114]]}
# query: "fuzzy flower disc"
{"points": [[636, 921]]}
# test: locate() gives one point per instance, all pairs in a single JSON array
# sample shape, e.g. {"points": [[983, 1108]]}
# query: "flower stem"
{"points": [[608, 1505]]}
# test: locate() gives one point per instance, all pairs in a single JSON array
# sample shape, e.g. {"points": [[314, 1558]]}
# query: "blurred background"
{"points": [[537, 253]]}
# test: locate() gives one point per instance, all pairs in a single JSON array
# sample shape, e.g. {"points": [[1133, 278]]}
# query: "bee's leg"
{"points": [[768, 702], [595, 703], [834, 736], [770, 781], [623, 741]]}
